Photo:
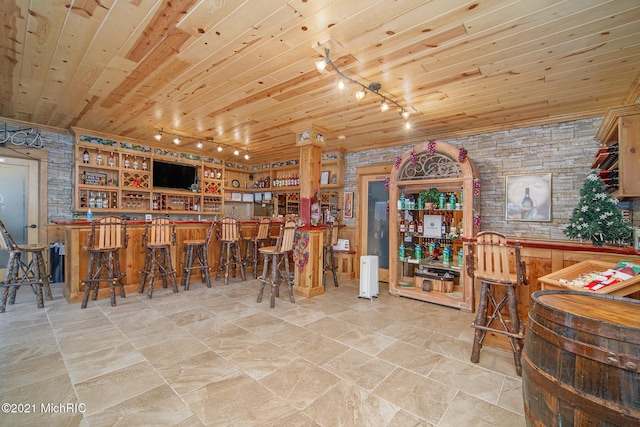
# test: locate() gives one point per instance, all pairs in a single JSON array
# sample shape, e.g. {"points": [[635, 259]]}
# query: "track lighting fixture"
{"points": [[407, 125], [374, 87], [199, 143]]}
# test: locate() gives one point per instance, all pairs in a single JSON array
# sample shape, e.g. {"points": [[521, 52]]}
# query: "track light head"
{"points": [[383, 105], [321, 66], [176, 140], [405, 114], [158, 135], [407, 125], [361, 94], [199, 144], [236, 152], [246, 155], [219, 148]]}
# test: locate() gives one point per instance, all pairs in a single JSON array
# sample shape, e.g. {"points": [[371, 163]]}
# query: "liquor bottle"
{"points": [[441, 200], [401, 202], [99, 158], [144, 164], [526, 204], [89, 215], [443, 227], [418, 251], [112, 160], [402, 226], [412, 227], [127, 163], [420, 227], [401, 252], [206, 172], [135, 162], [461, 258], [85, 156]]}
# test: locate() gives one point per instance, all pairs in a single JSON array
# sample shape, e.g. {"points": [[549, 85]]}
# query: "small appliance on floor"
{"points": [[368, 277]]}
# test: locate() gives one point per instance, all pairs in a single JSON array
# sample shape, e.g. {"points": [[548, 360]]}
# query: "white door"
{"points": [[19, 201]]}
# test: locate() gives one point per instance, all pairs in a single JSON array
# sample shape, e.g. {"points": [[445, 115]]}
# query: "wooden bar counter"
{"points": [[132, 258]]}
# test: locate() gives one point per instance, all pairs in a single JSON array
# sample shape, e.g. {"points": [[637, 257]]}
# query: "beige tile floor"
{"points": [[217, 357]]}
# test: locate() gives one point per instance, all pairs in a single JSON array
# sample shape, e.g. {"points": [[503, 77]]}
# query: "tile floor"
{"points": [[215, 357]]}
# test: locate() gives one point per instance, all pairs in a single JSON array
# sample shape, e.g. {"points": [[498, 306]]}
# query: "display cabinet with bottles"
{"points": [[619, 156], [426, 239]]}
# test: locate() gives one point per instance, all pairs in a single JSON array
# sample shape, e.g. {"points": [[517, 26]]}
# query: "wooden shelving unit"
{"points": [[452, 177], [619, 156]]}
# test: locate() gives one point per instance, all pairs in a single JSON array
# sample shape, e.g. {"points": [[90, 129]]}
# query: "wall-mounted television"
{"points": [[174, 175]]}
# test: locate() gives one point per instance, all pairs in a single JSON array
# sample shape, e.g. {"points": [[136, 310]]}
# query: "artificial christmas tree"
{"points": [[597, 217]]}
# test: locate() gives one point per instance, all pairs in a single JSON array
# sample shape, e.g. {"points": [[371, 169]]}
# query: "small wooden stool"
{"points": [[278, 254], [492, 269], [329, 261], [258, 238], [30, 270], [108, 235], [197, 250], [230, 238], [158, 238]]}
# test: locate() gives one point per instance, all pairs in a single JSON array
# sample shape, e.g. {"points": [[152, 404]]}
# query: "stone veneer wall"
{"points": [[566, 150]]}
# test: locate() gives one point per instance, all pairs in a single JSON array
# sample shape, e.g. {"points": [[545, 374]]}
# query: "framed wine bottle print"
{"points": [[528, 197]]}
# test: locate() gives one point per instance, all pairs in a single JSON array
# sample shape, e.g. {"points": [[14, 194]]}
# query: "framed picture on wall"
{"points": [[528, 197], [324, 177], [347, 211]]}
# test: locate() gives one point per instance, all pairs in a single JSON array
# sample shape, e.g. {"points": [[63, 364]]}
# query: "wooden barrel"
{"points": [[581, 360]]}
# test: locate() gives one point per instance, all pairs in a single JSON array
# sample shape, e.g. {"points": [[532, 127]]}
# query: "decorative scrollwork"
{"points": [[431, 167]]}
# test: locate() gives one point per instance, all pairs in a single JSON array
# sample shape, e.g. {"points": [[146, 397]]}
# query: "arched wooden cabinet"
{"points": [[415, 271]]}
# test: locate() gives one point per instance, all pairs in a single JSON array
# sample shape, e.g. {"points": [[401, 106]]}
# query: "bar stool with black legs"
{"points": [[491, 264], [278, 255], [197, 250], [158, 237], [328, 255], [230, 238], [25, 267], [257, 239], [108, 235]]}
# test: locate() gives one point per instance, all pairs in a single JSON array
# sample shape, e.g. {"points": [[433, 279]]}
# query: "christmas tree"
{"points": [[597, 217]]}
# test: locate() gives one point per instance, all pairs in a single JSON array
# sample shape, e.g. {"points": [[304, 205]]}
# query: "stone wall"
{"points": [[566, 150]]}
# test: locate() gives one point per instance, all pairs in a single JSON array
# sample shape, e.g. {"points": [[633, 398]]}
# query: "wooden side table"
{"points": [[345, 261]]}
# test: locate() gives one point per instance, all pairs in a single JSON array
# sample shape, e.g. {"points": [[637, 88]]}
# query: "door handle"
{"points": [[30, 226]]}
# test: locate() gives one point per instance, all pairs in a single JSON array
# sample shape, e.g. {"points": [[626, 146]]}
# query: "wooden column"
{"points": [[310, 139]]}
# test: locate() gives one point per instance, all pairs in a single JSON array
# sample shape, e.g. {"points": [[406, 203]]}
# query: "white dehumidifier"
{"points": [[368, 277]]}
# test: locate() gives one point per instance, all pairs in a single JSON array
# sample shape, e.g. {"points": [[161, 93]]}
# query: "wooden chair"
{"points": [[329, 261], [278, 255], [25, 267], [492, 265], [108, 235], [158, 237], [230, 237], [257, 239], [197, 250]]}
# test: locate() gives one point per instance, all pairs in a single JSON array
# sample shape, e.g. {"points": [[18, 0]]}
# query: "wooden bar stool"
{"points": [[278, 254], [230, 237], [492, 268], [257, 239], [108, 235], [197, 250], [25, 267], [158, 237], [329, 261]]}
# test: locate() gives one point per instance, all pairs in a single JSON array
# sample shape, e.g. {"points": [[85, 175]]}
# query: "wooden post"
{"points": [[308, 277]]}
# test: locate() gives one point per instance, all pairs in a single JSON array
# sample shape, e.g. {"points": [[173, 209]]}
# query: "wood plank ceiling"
{"points": [[243, 72]]}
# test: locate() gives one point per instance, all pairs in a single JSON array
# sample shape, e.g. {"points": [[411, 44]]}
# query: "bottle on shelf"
{"points": [[412, 227], [144, 164], [401, 202], [443, 227], [403, 228], [441, 200], [99, 158], [85, 156], [420, 227], [112, 160], [135, 162], [460, 257], [418, 252], [89, 215], [401, 252], [127, 162]]}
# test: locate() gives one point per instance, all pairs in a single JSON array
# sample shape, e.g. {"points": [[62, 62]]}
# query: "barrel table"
{"points": [[581, 360]]}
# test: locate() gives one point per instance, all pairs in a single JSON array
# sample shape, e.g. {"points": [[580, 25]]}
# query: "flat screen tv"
{"points": [[173, 175]]}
